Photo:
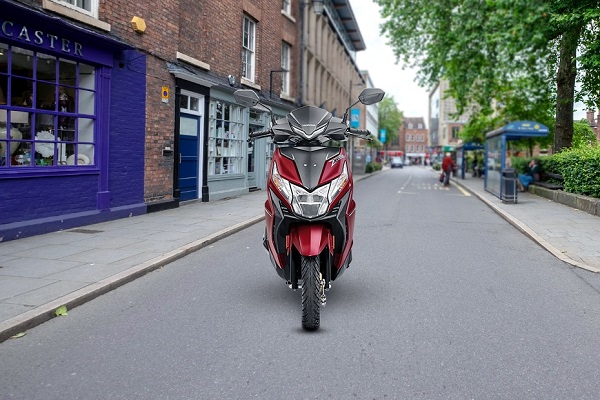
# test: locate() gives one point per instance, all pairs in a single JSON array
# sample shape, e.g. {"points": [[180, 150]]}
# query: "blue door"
{"points": [[189, 157]]}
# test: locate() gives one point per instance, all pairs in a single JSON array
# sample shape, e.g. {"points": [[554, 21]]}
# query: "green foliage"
{"points": [[508, 51], [580, 168], [390, 118], [520, 164], [583, 135], [372, 167]]}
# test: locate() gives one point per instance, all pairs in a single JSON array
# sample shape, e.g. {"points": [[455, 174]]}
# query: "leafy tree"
{"points": [[521, 53], [583, 135], [390, 118]]}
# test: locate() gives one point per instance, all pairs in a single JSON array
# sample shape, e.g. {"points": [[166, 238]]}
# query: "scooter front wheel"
{"points": [[311, 292]]}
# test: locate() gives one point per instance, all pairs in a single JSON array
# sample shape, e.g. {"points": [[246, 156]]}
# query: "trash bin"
{"points": [[509, 185]]}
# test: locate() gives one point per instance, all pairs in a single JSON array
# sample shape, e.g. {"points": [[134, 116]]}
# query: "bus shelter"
{"points": [[495, 152], [461, 154]]}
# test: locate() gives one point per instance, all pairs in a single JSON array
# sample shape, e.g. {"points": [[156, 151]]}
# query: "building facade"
{"points": [[444, 125], [117, 108], [72, 121], [414, 140]]}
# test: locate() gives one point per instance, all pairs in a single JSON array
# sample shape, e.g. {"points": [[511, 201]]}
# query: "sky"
{"points": [[379, 60], [385, 74]]}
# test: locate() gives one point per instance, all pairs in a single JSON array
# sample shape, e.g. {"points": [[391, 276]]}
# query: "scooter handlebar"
{"points": [[364, 134], [259, 134]]}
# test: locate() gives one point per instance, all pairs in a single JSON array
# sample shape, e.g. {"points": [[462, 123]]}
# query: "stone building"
{"points": [[444, 125]]}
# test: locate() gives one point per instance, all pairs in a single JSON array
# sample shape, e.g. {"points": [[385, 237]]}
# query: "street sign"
{"points": [[354, 118], [382, 133]]}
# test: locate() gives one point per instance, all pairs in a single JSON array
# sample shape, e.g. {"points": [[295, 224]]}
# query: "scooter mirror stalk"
{"points": [[367, 97], [249, 98]]}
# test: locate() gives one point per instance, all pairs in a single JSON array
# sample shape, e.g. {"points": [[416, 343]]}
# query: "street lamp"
{"points": [[318, 6]]}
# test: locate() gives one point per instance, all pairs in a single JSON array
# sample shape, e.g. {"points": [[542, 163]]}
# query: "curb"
{"points": [[45, 312], [528, 232]]}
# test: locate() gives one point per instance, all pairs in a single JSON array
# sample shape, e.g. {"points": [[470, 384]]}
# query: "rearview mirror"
{"points": [[246, 97], [371, 96]]}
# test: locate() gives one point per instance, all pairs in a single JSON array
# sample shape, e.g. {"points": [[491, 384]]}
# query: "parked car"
{"points": [[397, 162]]}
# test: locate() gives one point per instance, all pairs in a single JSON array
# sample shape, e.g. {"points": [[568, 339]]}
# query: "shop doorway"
{"points": [[190, 145]]}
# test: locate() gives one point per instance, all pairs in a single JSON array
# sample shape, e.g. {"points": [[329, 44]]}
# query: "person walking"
{"points": [[447, 167]]}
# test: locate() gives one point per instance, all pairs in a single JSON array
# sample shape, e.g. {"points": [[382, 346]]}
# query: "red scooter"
{"points": [[309, 209]]}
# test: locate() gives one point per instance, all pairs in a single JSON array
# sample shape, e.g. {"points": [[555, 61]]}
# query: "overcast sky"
{"points": [[379, 60]]}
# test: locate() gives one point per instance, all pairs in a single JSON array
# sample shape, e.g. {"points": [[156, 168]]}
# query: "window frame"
{"points": [[226, 138], [248, 48], [57, 123], [92, 12], [286, 51]]}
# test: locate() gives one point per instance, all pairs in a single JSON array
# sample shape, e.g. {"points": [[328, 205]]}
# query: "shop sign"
{"points": [[38, 37]]}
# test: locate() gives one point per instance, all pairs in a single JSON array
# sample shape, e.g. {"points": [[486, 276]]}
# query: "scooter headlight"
{"points": [[282, 184], [310, 204], [338, 184]]}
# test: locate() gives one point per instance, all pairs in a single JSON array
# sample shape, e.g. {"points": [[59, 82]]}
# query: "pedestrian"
{"points": [[532, 175], [447, 166], [475, 166]]}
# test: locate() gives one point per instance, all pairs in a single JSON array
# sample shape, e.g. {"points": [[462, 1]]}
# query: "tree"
{"points": [[583, 135], [521, 53], [390, 118]]}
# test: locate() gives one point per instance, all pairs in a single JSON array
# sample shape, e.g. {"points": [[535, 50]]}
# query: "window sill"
{"points": [[253, 85], [288, 16], [193, 61], [287, 97], [224, 177], [74, 14]]}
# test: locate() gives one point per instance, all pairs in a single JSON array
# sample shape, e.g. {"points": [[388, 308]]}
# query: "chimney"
{"points": [[590, 117]]}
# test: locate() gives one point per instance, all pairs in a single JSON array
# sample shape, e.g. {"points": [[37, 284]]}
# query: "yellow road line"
{"points": [[463, 190]]}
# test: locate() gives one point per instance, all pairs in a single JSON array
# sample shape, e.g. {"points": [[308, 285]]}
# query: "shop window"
{"points": [[225, 139], [47, 111]]}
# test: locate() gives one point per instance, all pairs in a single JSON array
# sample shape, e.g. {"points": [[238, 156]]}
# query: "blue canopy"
{"points": [[519, 130]]}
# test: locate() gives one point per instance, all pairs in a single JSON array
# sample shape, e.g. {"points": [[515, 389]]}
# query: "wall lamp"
{"points": [[318, 6]]}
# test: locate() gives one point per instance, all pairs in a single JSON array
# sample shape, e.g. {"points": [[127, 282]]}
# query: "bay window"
{"points": [[225, 139]]}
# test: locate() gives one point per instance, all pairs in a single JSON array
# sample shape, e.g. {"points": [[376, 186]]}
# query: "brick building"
{"points": [[413, 137], [594, 122], [149, 118]]}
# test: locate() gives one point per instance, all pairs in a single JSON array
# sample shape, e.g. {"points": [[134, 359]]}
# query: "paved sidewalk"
{"points": [[41, 273], [569, 234]]}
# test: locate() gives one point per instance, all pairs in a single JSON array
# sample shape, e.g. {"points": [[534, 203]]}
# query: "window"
{"points": [[286, 6], [225, 139], [248, 49], [455, 130], [89, 7], [48, 105], [285, 65]]}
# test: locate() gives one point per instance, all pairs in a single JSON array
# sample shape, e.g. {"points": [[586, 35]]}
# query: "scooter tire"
{"points": [[311, 303]]}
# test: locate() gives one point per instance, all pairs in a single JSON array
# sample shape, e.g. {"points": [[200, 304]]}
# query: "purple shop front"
{"points": [[72, 125]]}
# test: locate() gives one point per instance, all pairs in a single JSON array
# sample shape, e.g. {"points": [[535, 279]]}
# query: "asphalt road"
{"points": [[444, 300]]}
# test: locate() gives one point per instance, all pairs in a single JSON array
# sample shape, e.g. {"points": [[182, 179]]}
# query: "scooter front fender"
{"points": [[311, 239]]}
